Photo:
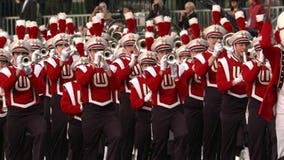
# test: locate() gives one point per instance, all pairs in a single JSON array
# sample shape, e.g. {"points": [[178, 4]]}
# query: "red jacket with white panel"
{"points": [[96, 86], [139, 89], [202, 68], [22, 91], [124, 73], [166, 92], [71, 99], [58, 75], [229, 68], [257, 77]]}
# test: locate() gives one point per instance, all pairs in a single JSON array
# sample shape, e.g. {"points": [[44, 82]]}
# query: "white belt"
{"points": [[77, 118], [147, 108]]}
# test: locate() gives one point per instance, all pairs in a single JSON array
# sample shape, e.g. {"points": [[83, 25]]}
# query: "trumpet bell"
{"points": [[141, 43], [26, 61], [172, 58], [177, 44], [116, 35], [44, 52], [107, 54], [225, 42]]}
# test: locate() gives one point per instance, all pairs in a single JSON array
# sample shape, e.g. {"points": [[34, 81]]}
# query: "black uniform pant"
{"points": [[98, 121], [262, 137], [194, 121], [45, 102], [143, 134], [163, 120], [3, 138], [127, 119], [211, 124], [19, 123], [75, 139], [58, 143], [233, 124]]}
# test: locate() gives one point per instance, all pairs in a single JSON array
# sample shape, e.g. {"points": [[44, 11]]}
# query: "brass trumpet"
{"points": [[141, 43], [113, 43], [107, 54], [44, 52], [225, 39], [172, 58], [26, 61], [177, 43]]}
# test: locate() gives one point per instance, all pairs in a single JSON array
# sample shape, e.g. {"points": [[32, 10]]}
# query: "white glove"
{"points": [[217, 49], [260, 56], [238, 79], [19, 62], [174, 70], [97, 58], [28, 70], [35, 55], [148, 97], [163, 63], [105, 66], [66, 53], [132, 60]]}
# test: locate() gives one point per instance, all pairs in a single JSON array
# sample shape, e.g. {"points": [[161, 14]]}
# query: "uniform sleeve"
{"points": [[123, 74], [84, 75], [250, 71], [222, 83], [66, 105], [153, 82], [136, 102], [184, 82], [53, 70], [8, 79], [200, 68]]}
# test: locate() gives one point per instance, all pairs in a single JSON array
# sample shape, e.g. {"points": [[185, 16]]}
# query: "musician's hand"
{"points": [[217, 49], [97, 58], [28, 70], [19, 62], [133, 60], [260, 56], [66, 53], [238, 80], [148, 97], [163, 63]]}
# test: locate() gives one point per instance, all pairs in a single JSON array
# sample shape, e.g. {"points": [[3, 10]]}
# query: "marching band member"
{"points": [[71, 104], [140, 98], [167, 112], [193, 102], [205, 65], [4, 62], [20, 83], [257, 75], [230, 82], [97, 83], [126, 67], [59, 71], [272, 104]]}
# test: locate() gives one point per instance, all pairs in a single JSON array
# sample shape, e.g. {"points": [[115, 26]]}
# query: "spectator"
{"points": [[122, 11], [234, 4], [28, 10], [158, 8], [255, 8], [102, 8], [187, 14]]}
